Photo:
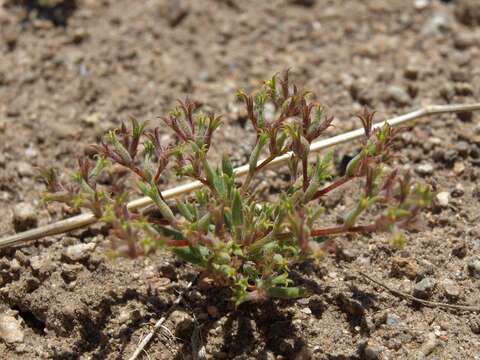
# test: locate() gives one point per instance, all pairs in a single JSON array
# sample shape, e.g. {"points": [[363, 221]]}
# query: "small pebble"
{"points": [[424, 169], [462, 148], [24, 169], [392, 319], [24, 216], [424, 288], [436, 23], [399, 95], [475, 324], [464, 40], [450, 156], [451, 289], [421, 4], [430, 344], [443, 198], [92, 119], [79, 252], [11, 330], [373, 351], [182, 322], [306, 310], [31, 152], [350, 305], [70, 271], [463, 89], [458, 191], [460, 250], [426, 269], [459, 167], [474, 268], [404, 267], [411, 73]]}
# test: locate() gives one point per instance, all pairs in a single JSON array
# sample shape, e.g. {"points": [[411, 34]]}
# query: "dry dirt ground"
{"points": [[71, 69]]}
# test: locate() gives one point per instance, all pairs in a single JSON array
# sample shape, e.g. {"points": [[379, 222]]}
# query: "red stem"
{"points": [[177, 243], [305, 173], [363, 229], [264, 163], [337, 183]]}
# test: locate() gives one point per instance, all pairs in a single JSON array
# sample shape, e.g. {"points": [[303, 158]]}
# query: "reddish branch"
{"points": [[337, 183], [334, 230]]}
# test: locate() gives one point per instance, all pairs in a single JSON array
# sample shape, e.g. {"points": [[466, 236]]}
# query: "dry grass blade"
{"points": [[414, 299], [82, 220]]}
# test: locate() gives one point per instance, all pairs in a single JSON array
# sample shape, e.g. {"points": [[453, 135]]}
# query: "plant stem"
{"points": [[85, 219], [337, 183], [305, 173], [335, 230]]}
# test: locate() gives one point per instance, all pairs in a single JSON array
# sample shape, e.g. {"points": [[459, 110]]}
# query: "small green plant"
{"points": [[224, 229]]}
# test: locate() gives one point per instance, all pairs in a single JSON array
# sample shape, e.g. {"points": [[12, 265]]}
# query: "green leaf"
{"points": [[152, 192], [227, 215], [209, 173], [219, 184], [353, 164], [280, 141], [252, 163], [272, 87], [279, 260], [223, 258], [286, 292], [226, 270], [138, 128], [227, 167], [237, 209], [169, 232], [353, 214], [281, 279], [119, 148], [202, 197], [100, 165], [77, 177], [194, 255], [185, 211], [204, 222], [314, 182]]}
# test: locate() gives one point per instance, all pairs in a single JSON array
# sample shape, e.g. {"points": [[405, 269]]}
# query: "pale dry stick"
{"points": [[421, 301], [160, 322], [88, 218]]}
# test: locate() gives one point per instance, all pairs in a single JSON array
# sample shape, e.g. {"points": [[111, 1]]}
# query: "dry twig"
{"points": [[414, 299], [82, 220]]}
